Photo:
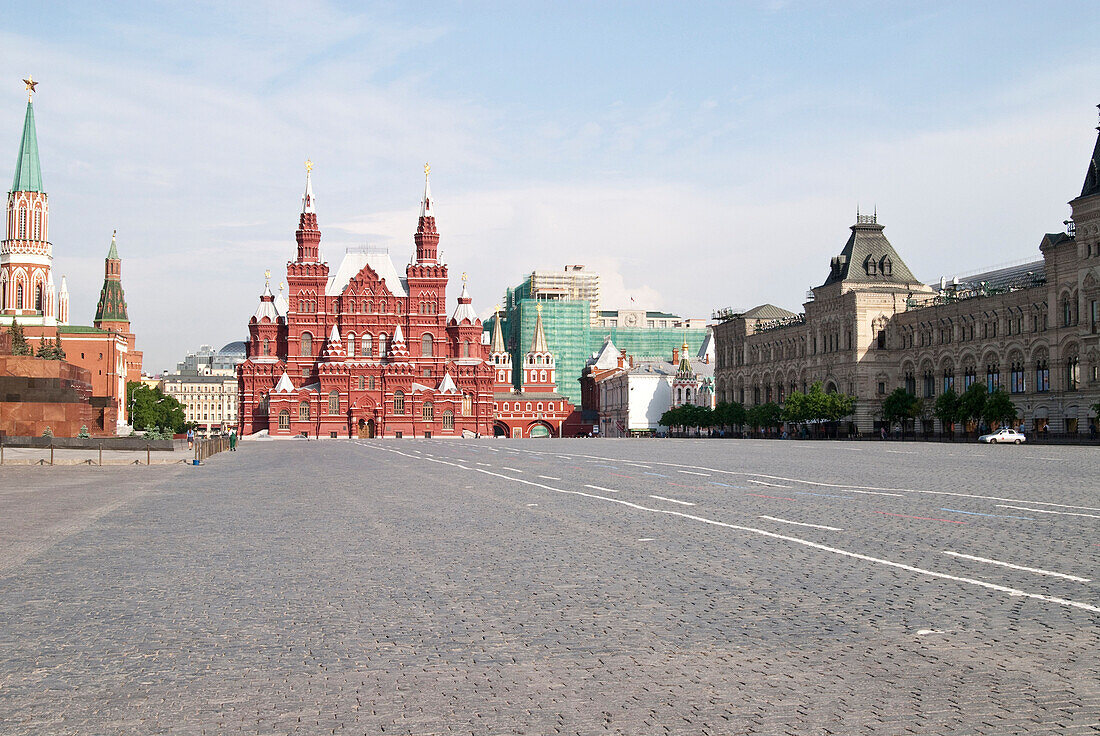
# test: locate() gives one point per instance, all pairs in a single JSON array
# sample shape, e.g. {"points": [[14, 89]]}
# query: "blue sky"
{"points": [[698, 155]]}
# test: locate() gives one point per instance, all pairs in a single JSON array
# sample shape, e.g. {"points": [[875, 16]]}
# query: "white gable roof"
{"points": [[447, 385], [608, 355], [355, 259], [284, 386]]}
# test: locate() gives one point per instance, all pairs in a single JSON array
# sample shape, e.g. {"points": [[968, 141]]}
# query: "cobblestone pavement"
{"points": [[572, 586]]}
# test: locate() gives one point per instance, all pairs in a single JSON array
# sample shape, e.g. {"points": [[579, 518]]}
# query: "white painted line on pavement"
{"points": [[485, 465], [648, 539], [762, 483], [1019, 567], [672, 500], [514, 470], [601, 488], [866, 489], [802, 523], [871, 493], [692, 472], [902, 452], [548, 477], [1044, 511], [773, 535]]}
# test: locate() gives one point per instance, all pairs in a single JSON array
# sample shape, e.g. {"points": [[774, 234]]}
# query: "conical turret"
{"points": [[28, 172], [1092, 176], [111, 310], [308, 234]]}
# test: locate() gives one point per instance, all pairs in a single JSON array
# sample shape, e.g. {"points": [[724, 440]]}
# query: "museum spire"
{"points": [[1092, 176]]}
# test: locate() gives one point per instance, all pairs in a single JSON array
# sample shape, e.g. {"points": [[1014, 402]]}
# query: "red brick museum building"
{"points": [[365, 351]]}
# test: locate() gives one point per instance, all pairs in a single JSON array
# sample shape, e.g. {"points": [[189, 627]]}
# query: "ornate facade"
{"points": [[872, 327], [106, 349], [365, 351], [535, 409]]}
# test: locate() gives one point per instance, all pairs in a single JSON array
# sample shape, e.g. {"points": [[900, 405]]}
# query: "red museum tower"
{"points": [[365, 352]]}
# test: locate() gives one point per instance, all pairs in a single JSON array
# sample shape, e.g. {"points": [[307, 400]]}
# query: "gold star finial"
{"points": [[463, 277], [427, 169], [267, 275], [31, 84], [496, 309], [309, 166], [538, 308]]}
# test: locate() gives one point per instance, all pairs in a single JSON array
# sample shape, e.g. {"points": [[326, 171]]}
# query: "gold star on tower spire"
{"points": [[427, 169], [31, 84], [309, 166]]}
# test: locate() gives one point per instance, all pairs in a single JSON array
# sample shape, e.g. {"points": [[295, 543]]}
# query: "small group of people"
{"points": [[232, 439]]}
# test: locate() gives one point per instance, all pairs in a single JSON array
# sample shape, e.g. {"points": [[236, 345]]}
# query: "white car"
{"points": [[1003, 435]]}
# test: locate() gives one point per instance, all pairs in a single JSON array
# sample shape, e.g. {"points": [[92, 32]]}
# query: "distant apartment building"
{"points": [[209, 401], [205, 383]]}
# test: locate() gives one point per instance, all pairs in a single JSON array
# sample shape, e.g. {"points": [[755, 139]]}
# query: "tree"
{"points": [[729, 413], [58, 351], [19, 344], [765, 415], [946, 408], [153, 409], [838, 406], [999, 408], [900, 406], [972, 403], [45, 349]]}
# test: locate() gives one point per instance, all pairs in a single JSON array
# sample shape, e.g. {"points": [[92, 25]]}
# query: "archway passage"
{"points": [[540, 430], [500, 430], [365, 429]]}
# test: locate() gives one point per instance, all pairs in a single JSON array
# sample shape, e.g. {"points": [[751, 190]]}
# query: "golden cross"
{"points": [[309, 166], [31, 84], [538, 308], [496, 308], [267, 274], [464, 277], [427, 169]]}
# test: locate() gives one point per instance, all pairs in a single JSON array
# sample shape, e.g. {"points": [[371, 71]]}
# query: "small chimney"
{"points": [[676, 356]]}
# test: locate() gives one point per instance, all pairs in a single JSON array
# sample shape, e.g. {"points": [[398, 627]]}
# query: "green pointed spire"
{"points": [[28, 172], [112, 300]]}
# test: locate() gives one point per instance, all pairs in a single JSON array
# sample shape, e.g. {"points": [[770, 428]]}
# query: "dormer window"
{"points": [[887, 266], [870, 266]]}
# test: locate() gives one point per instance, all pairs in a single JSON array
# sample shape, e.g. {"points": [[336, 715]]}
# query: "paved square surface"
{"points": [[572, 586]]}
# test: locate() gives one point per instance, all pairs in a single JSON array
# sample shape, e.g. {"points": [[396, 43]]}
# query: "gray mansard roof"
{"points": [[768, 311], [1012, 277], [868, 258]]}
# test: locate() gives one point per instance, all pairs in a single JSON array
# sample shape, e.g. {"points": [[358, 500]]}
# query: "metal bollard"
{"points": [[146, 454], [101, 454], [51, 452]]}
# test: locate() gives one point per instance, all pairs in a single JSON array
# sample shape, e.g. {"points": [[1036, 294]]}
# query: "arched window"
{"points": [[38, 297], [362, 383], [467, 404], [427, 411], [267, 346], [542, 376], [1073, 373], [37, 223], [382, 345], [307, 344], [448, 419], [284, 419], [398, 402], [465, 348], [365, 346], [22, 222], [19, 295], [351, 346], [334, 402], [426, 345], [303, 411]]}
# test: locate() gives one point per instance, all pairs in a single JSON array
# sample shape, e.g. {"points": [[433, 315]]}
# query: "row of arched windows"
{"points": [[36, 224], [365, 343]]}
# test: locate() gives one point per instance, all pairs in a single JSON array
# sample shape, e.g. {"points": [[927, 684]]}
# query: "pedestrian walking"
{"points": [[190, 439], [233, 440]]}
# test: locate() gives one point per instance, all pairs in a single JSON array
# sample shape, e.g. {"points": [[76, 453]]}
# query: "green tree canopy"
{"points": [[19, 344], [765, 415], [900, 406], [972, 402], [729, 413], [946, 408], [816, 405], [999, 408], [152, 409]]}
